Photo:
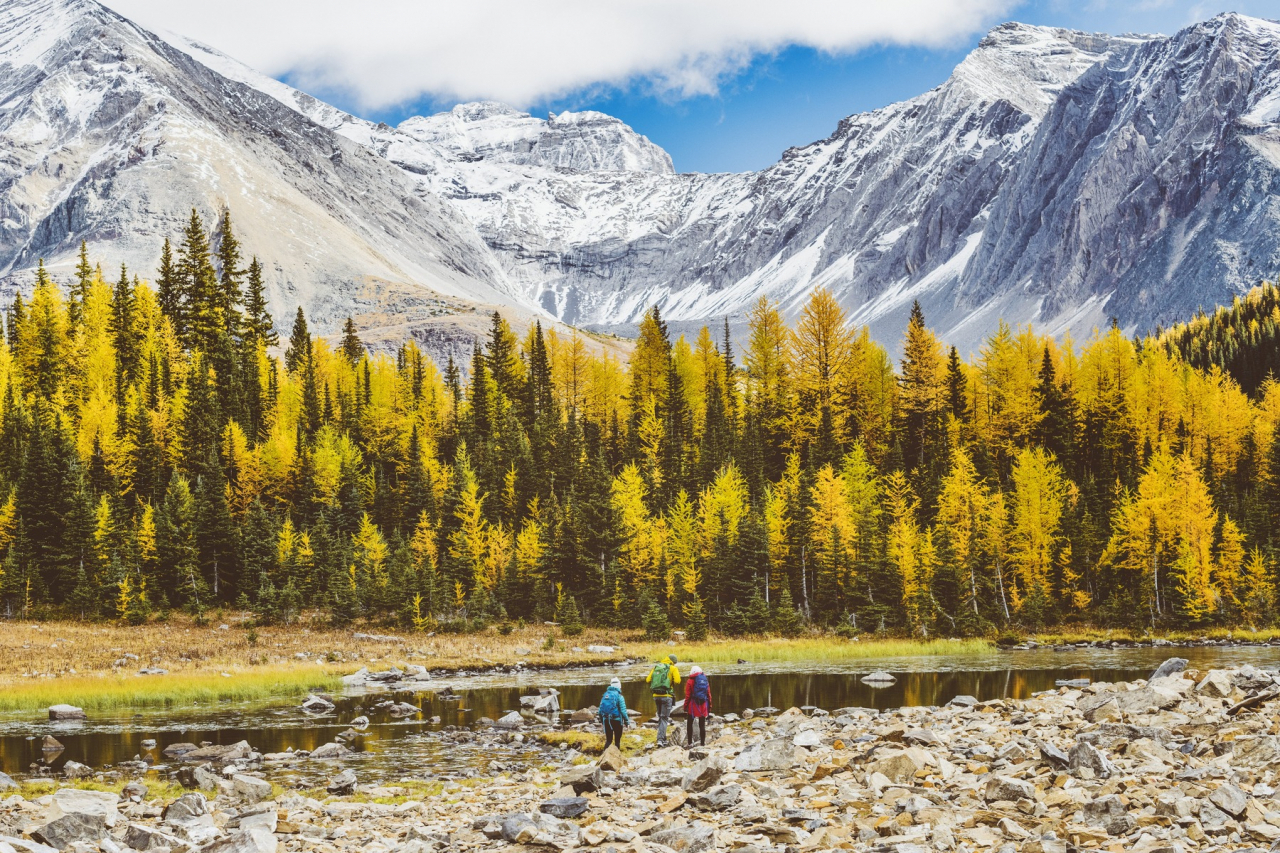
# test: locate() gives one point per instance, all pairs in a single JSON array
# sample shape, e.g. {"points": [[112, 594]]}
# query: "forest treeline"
{"points": [[162, 448]]}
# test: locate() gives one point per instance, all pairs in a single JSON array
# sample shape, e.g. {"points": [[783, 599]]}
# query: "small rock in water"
{"points": [[51, 744], [512, 720], [76, 770], [1172, 666], [879, 677], [317, 705], [330, 751], [66, 712], [360, 723]]}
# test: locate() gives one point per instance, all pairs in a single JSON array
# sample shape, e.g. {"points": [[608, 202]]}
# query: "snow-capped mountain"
{"points": [[110, 134], [1056, 177]]}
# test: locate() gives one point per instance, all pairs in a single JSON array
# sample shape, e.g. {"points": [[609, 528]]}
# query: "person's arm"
{"points": [[648, 679], [675, 675], [626, 718], [708, 695]]}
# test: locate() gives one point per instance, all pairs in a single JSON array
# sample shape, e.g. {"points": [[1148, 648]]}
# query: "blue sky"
{"points": [[798, 95]]}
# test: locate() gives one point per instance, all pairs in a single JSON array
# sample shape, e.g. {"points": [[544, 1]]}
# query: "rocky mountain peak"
{"points": [[579, 141]]}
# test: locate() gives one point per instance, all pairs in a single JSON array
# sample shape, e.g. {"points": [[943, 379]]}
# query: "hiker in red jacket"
{"points": [[697, 704]]}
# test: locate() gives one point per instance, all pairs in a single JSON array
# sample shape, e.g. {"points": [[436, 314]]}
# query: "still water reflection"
{"points": [[392, 748]]}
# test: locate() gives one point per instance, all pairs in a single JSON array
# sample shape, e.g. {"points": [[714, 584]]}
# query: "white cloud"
{"points": [[382, 53]]}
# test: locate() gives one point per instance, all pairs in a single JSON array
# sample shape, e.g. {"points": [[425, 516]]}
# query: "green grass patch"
{"points": [[161, 789], [107, 692], [826, 648], [592, 743]]}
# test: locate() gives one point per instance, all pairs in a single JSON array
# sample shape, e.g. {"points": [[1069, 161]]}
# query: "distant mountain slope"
{"points": [[111, 135]]}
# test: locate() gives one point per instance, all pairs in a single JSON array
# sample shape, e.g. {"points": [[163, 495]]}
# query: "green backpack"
{"points": [[661, 680]]}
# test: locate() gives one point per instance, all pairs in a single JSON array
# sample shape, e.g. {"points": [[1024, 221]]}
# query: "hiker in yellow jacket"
{"points": [[662, 679]]}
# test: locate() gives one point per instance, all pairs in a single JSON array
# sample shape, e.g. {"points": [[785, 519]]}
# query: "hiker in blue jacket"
{"points": [[613, 713]]}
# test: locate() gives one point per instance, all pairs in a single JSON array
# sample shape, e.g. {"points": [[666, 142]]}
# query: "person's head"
{"points": [[616, 682], [671, 659], [695, 670]]}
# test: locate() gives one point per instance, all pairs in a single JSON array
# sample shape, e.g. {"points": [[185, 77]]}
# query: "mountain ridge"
{"points": [[1057, 177]]}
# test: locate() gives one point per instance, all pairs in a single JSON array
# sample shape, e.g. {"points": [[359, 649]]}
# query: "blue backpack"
{"points": [[609, 706], [701, 689]]}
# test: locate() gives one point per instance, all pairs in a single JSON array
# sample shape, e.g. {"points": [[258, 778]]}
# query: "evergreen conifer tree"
{"points": [[298, 353], [352, 347]]}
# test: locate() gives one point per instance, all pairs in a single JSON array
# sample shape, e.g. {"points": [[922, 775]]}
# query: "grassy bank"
{"points": [[823, 647], [107, 691], [1065, 636], [96, 666]]}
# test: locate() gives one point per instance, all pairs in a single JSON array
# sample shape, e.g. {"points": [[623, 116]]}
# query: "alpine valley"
{"points": [[1057, 178]]}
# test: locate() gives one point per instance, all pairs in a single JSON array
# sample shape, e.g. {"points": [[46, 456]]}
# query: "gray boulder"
{"points": [[1086, 755], [1230, 799], [251, 788], [719, 798], [775, 754], [342, 784], [693, 838], [583, 779], [139, 837], [217, 753], [64, 831], [1055, 757], [185, 809], [177, 750], [73, 801], [518, 829], [6, 782], [565, 807], [704, 775], [256, 840], [1109, 813], [1007, 788]]}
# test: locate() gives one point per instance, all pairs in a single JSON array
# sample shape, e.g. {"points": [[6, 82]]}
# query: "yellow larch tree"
{"points": [[1039, 499]]}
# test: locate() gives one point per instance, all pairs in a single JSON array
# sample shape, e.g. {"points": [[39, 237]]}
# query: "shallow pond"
{"points": [[391, 749]]}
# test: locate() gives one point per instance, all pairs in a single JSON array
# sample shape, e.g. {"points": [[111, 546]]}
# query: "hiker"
{"points": [[613, 713], [697, 704], [662, 679]]}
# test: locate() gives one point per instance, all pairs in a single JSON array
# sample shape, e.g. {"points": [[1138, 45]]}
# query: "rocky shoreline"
{"points": [[1182, 761]]}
